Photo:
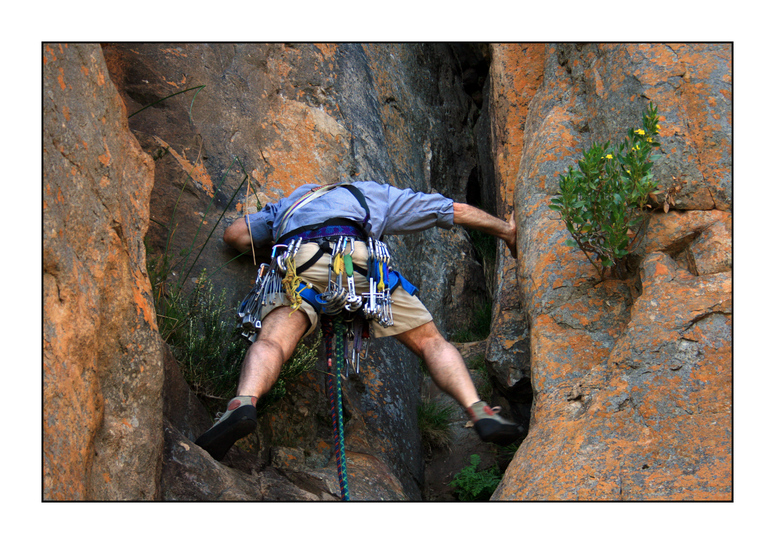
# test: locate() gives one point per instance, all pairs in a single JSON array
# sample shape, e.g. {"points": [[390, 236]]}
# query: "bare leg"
{"points": [[446, 365], [281, 331]]}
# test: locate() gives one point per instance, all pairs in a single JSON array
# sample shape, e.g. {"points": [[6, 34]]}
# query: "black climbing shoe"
{"points": [[238, 421], [490, 426]]}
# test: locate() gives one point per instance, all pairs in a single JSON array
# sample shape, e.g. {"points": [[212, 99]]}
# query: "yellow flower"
{"points": [[658, 129], [640, 131], [609, 156]]}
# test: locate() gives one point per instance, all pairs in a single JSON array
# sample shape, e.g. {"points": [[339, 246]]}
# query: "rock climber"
{"points": [[318, 216]]}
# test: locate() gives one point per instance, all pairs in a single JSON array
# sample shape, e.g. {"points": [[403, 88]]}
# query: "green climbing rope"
{"points": [[342, 461], [333, 334]]}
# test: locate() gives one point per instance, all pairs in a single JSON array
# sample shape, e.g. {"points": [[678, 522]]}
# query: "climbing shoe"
{"points": [[490, 426], [238, 421]]}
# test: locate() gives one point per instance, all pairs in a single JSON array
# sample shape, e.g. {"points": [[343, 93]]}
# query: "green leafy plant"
{"points": [[473, 485], [433, 420], [210, 349], [602, 201], [204, 340]]}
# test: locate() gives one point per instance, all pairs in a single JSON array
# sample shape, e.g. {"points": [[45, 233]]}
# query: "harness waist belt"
{"points": [[338, 227]]}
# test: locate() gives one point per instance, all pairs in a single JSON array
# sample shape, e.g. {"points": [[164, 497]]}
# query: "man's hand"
{"points": [[511, 241]]}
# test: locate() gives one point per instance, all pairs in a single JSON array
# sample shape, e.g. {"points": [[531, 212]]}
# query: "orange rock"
{"points": [[102, 434], [631, 379]]}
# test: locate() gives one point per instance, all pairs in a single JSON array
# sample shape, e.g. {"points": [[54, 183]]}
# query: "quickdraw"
{"points": [[333, 299], [292, 281], [378, 303]]}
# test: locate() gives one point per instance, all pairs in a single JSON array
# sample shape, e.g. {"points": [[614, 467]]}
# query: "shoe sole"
{"points": [[490, 430], [219, 439]]}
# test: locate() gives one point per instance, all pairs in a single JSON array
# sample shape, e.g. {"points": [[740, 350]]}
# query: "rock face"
{"points": [[102, 363], [631, 378], [271, 117], [275, 116], [625, 385], [516, 73]]}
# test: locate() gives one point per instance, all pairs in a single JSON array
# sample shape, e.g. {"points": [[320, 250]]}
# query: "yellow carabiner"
{"points": [[381, 285], [338, 264]]}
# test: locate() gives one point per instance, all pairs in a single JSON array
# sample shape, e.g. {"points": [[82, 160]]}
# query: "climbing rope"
{"points": [[333, 334]]}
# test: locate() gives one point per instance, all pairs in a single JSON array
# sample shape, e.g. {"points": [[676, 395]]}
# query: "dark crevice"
{"points": [[474, 189], [482, 191], [520, 397]]}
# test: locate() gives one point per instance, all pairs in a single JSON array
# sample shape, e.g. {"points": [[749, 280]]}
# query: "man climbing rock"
{"points": [[327, 258]]}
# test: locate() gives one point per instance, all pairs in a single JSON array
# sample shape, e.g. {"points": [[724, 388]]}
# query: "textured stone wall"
{"points": [[516, 73], [631, 378], [299, 113], [102, 366]]}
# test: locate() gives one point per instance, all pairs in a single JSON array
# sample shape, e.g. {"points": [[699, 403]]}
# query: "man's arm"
{"points": [[469, 216], [237, 235]]}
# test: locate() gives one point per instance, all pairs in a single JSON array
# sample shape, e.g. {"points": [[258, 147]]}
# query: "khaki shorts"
{"points": [[408, 312]]}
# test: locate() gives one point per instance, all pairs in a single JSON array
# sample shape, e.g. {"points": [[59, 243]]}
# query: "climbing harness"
{"points": [[346, 315], [281, 275]]}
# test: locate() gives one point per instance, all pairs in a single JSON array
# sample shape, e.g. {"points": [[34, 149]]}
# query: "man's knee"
{"points": [[272, 347], [422, 338], [282, 329]]}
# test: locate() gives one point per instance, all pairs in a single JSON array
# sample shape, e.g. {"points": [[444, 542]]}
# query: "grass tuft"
{"points": [[434, 420]]}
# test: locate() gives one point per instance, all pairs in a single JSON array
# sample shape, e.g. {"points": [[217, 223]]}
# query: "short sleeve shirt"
{"points": [[392, 211]]}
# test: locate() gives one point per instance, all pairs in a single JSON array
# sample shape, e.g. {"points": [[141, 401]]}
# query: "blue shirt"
{"points": [[393, 211]]}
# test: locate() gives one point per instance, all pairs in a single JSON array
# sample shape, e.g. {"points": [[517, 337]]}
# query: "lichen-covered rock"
{"points": [[649, 419], [102, 363], [190, 474], [631, 378], [516, 73]]}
